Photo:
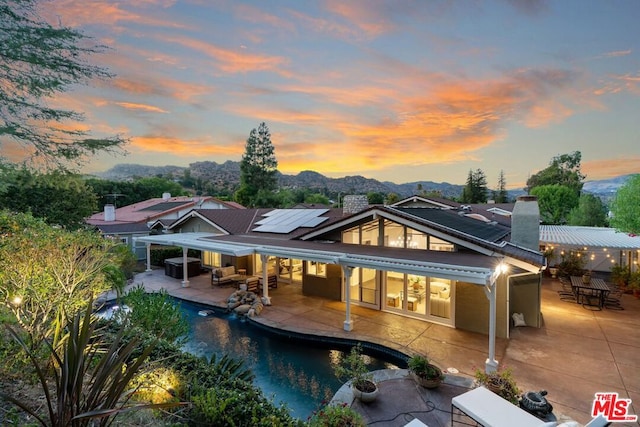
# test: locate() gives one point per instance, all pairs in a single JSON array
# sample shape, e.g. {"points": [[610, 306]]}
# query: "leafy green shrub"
{"points": [[157, 313], [127, 259], [223, 406], [336, 416]]}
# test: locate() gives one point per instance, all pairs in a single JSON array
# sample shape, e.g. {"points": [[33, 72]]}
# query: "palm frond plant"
{"points": [[91, 376]]}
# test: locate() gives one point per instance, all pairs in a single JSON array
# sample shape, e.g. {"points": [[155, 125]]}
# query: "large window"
{"points": [[395, 236]]}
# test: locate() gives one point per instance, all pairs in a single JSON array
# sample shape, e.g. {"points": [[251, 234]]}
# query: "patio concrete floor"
{"points": [[576, 353]]}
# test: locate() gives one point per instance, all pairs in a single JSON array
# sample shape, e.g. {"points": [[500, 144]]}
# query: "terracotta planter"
{"points": [[586, 278], [363, 396]]}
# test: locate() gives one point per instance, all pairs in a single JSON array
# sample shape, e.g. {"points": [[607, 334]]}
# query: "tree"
{"points": [[590, 212], [562, 170], [501, 195], [39, 62], [475, 189], [258, 168], [375, 198], [392, 198], [48, 274], [60, 198], [625, 207], [555, 202]]}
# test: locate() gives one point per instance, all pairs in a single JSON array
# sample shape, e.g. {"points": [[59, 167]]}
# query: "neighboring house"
{"points": [[431, 263], [149, 216]]}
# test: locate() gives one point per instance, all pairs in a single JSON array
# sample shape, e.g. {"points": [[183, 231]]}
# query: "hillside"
{"points": [[225, 177]]}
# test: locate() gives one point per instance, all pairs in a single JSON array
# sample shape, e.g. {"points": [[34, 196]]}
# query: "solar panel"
{"points": [[284, 221]]}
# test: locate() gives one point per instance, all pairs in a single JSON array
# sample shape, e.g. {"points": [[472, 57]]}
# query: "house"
{"points": [[149, 216], [438, 264]]}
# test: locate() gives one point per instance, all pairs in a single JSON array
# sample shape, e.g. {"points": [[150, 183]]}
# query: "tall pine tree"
{"points": [[258, 167], [475, 189], [501, 195]]}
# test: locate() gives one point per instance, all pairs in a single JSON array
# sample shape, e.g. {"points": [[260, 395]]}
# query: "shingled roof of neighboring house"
{"points": [[150, 209]]}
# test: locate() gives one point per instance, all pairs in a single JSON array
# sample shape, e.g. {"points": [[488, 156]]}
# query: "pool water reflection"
{"points": [[297, 373]]}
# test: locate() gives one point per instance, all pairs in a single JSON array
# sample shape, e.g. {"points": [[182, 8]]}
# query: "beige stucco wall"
{"points": [[525, 298], [326, 287], [472, 308]]}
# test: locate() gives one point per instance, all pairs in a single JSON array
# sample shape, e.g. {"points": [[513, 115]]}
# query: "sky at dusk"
{"points": [[393, 90]]}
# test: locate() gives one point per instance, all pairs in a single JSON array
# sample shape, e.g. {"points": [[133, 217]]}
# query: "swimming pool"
{"points": [[298, 373]]}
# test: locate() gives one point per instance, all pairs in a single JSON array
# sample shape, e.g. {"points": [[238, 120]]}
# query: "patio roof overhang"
{"points": [[203, 241], [196, 241]]}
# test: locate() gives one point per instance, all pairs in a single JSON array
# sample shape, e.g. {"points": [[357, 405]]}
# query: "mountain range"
{"points": [[225, 177]]}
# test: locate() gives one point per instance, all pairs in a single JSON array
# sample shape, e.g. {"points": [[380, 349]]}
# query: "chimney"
{"points": [[109, 212], [166, 196], [354, 204], [525, 223]]}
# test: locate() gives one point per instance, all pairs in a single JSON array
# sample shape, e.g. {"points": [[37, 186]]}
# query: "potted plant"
{"points": [[425, 373], [500, 382], [353, 368], [586, 277], [634, 283], [620, 275]]}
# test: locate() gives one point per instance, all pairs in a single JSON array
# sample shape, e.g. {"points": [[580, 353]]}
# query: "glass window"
{"points": [[370, 233], [316, 269], [211, 259], [436, 244], [351, 236]]}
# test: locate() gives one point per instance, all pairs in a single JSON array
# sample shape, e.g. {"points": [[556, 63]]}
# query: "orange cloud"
{"points": [[141, 107], [372, 18], [255, 15], [417, 119], [183, 147], [233, 62], [75, 13], [610, 168]]}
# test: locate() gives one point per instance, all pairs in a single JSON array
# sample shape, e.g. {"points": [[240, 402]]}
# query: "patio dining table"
{"points": [[595, 287]]}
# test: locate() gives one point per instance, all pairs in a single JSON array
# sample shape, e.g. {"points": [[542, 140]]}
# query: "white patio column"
{"points": [[265, 280], [348, 323], [185, 268], [148, 257], [491, 364]]}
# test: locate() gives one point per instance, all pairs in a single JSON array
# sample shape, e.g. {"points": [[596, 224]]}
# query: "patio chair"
{"points": [[566, 293], [612, 299]]}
